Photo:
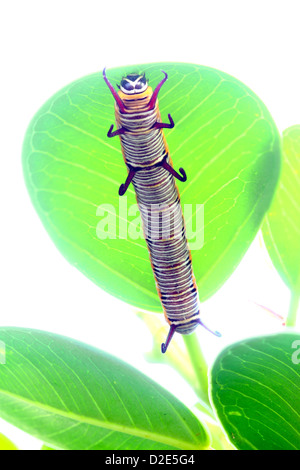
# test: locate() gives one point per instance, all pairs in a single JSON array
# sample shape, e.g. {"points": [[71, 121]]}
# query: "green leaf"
{"points": [[224, 138], [6, 444], [73, 396], [281, 228], [255, 391]]}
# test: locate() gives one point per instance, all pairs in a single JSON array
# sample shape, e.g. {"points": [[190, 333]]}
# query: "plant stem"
{"points": [[292, 314], [219, 439], [190, 364], [199, 365]]}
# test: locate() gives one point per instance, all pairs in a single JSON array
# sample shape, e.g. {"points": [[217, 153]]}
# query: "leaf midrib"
{"points": [[104, 424]]}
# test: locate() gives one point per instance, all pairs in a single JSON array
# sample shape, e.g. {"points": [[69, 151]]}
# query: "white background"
{"points": [[46, 45]]}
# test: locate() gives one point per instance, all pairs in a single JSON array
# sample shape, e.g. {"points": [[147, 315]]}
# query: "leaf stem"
{"points": [[199, 365], [293, 309], [219, 438], [190, 364]]}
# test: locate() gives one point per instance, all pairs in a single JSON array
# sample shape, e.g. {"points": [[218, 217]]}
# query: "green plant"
{"points": [[281, 227], [73, 396]]}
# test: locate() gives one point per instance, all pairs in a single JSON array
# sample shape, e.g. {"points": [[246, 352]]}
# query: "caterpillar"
{"points": [[146, 155]]}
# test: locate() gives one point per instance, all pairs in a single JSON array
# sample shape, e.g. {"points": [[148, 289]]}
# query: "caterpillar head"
{"points": [[133, 83]]}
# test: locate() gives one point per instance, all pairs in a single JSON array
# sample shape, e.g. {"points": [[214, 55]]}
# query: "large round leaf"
{"points": [[73, 396], [281, 228], [255, 390], [225, 140]]}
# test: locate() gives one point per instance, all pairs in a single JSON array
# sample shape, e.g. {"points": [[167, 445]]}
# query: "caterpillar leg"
{"points": [[165, 345], [117, 132], [123, 188], [161, 125], [171, 170]]}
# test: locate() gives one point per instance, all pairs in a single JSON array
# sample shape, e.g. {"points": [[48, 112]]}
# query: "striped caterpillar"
{"points": [[150, 170]]}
